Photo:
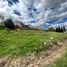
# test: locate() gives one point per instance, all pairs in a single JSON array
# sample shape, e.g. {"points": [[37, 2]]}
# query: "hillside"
{"points": [[29, 44], [26, 41]]}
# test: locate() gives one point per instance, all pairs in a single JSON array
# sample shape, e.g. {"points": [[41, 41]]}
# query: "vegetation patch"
{"points": [[22, 42], [61, 62]]}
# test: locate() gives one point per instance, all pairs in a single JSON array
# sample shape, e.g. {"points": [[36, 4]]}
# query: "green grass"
{"points": [[61, 62], [21, 42]]}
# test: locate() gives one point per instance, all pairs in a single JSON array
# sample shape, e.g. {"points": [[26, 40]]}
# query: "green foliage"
{"points": [[9, 24], [51, 29], [60, 29], [1, 25]]}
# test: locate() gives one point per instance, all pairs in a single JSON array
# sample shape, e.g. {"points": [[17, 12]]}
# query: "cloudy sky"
{"points": [[35, 13]]}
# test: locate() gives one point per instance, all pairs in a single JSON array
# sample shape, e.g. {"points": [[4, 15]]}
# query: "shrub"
{"points": [[51, 29]]}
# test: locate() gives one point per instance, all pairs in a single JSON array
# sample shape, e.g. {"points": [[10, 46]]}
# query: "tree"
{"points": [[60, 29], [9, 24], [64, 29]]}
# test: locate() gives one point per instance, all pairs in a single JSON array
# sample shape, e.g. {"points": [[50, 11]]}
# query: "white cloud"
{"points": [[60, 24], [45, 10]]}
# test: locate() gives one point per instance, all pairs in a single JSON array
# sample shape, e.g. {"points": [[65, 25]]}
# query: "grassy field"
{"points": [[61, 62], [21, 42]]}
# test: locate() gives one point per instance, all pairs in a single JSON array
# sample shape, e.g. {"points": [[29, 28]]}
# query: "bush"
{"points": [[51, 29], [1, 27]]}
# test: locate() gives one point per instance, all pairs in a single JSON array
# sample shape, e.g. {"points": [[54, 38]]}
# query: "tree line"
{"points": [[58, 29], [8, 24]]}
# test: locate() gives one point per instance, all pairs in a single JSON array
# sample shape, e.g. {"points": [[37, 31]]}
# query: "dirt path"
{"points": [[36, 61], [53, 55], [56, 54]]}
